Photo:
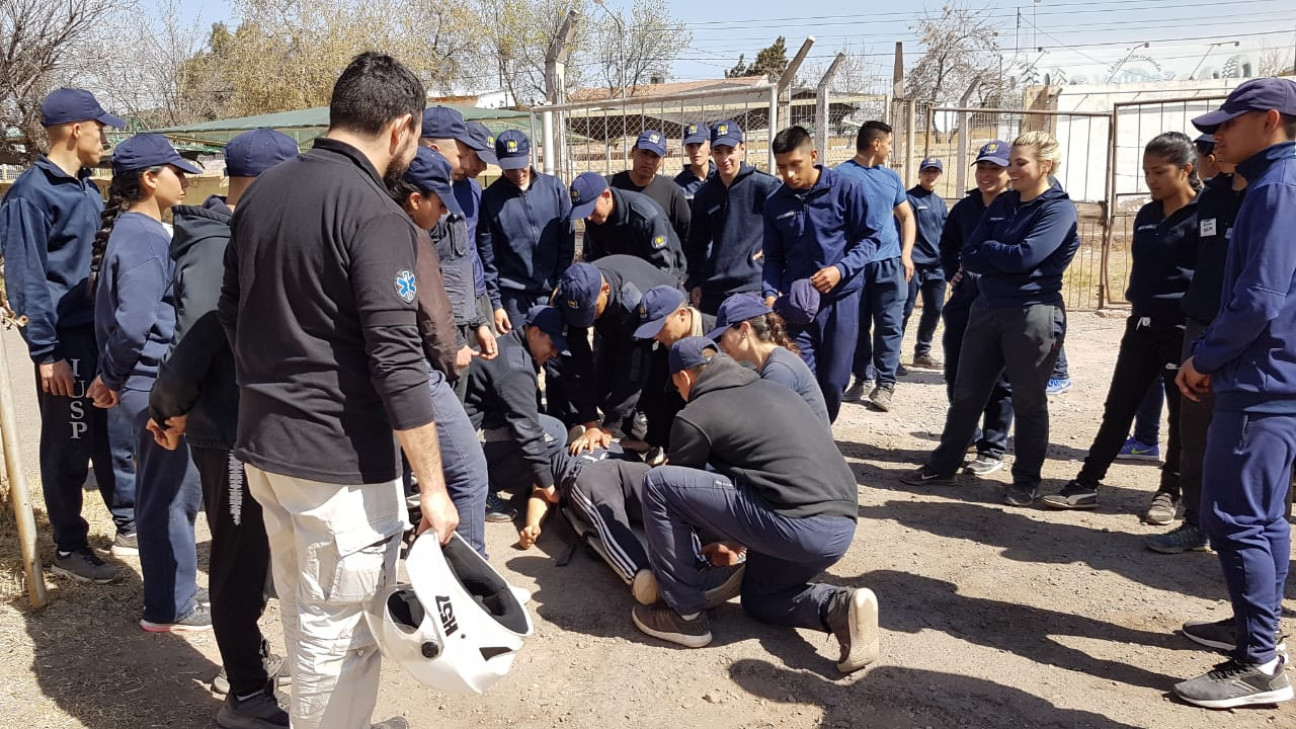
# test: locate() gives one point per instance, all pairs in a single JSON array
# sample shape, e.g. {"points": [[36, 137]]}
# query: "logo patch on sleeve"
{"points": [[406, 286], [659, 242]]}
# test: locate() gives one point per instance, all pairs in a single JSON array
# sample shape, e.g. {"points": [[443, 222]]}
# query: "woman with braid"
{"points": [[131, 273]]}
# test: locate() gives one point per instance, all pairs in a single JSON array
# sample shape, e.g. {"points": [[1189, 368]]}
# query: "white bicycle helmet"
{"points": [[457, 626]]}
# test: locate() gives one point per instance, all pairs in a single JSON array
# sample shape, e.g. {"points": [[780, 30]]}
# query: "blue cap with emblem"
{"points": [[690, 352], [657, 304], [996, 151], [800, 305], [550, 321], [696, 133], [931, 163], [1261, 94], [578, 293], [430, 172], [442, 122], [513, 150], [485, 142], [251, 153], [735, 310], [652, 141], [726, 134], [585, 191], [143, 151], [65, 105]]}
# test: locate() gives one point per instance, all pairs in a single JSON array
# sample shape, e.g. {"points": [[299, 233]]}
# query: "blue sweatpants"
{"points": [[74, 434], [929, 283], [1245, 477], [169, 495], [881, 319], [828, 344], [783, 552]]}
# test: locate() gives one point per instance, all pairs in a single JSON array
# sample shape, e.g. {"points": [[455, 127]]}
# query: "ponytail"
{"points": [[124, 190], [772, 328], [1180, 151]]}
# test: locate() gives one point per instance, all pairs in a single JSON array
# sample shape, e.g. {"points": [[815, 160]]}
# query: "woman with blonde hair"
{"points": [[1021, 248]]}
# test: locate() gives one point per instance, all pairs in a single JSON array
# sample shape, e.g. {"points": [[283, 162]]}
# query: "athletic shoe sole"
{"points": [[983, 470], [933, 480], [62, 572], [118, 551], [865, 639], [1162, 549], [227, 718], [725, 591], [1256, 699], [1148, 457], [153, 627], [688, 641]]}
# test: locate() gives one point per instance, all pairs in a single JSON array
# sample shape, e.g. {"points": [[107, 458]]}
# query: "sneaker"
{"points": [[901, 370], [1221, 635], [1074, 495], [922, 477], [1057, 387], [202, 597], [926, 361], [498, 510], [983, 465], [1183, 538], [668, 625], [729, 586], [880, 398], [274, 668], [1162, 510], [644, 588], [853, 619], [396, 722], [856, 391], [83, 565], [1136, 450], [198, 619], [125, 545], [258, 711], [1020, 494], [1233, 683]]}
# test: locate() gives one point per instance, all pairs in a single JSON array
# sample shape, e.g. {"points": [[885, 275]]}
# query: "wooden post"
{"points": [[19, 497]]}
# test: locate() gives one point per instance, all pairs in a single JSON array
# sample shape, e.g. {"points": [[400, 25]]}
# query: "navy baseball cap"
{"points": [[251, 153], [550, 321], [653, 141], [442, 122], [800, 305], [1205, 144], [696, 133], [726, 134], [485, 141], [931, 162], [585, 191], [513, 150], [75, 105], [735, 310], [430, 172], [689, 352], [149, 150], [578, 293], [996, 150], [657, 303], [1260, 94]]}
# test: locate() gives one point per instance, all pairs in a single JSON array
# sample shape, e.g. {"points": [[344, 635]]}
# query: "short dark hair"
{"points": [[1289, 125], [400, 190], [791, 139], [870, 131], [374, 89]]}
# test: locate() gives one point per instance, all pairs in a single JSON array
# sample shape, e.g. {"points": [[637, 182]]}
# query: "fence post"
{"points": [[962, 151], [773, 125], [19, 497], [546, 120], [821, 108], [1109, 213], [911, 110]]}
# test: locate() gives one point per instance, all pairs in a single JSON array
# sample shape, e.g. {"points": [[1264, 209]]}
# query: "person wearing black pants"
{"points": [[1164, 252], [196, 395]]}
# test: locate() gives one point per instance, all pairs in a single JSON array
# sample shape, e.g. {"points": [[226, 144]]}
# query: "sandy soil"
{"points": [[991, 616]]}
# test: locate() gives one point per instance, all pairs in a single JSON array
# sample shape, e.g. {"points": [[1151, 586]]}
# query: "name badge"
{"points": [[1208, 227]]}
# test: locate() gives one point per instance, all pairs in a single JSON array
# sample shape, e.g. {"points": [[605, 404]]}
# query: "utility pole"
{"points": [[822, 116], [897, 82], [555, 90]]}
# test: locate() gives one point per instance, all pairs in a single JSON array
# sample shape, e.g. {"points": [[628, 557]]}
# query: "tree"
{"points": [[41, 50], [147, 79], [739, 70], [771, 61], [519, 32], [629, 55], [960, 48]]}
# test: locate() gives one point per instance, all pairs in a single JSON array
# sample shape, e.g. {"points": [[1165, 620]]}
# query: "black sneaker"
{"points": [[1183, 538], [1221, 635], [1074, 495], [1232, 683], [1020, 494], [665, 623], [922, 477], [499, 510], [258, 711], [198, 619], [901, 370], [983, 465], [125, 545], [853, 619], [926, 361], [857, 391], [83, 565], [274, 668]]}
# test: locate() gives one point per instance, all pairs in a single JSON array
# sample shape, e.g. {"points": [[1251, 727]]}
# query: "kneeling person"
{"points": [[783, 496]]}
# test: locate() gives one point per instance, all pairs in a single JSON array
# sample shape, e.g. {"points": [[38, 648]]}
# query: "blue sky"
{"points": [[1084, 37]]}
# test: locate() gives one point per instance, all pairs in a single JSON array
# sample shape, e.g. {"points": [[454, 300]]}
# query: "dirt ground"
{"points": [[991, 616]]}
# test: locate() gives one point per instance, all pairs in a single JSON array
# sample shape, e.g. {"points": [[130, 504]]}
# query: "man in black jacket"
{"points": [[645, 160], [624, 222], [782, 495], [195, 395]]}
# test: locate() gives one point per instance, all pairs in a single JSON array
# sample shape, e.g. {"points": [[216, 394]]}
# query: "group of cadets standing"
{"points": [[724, 291]]}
